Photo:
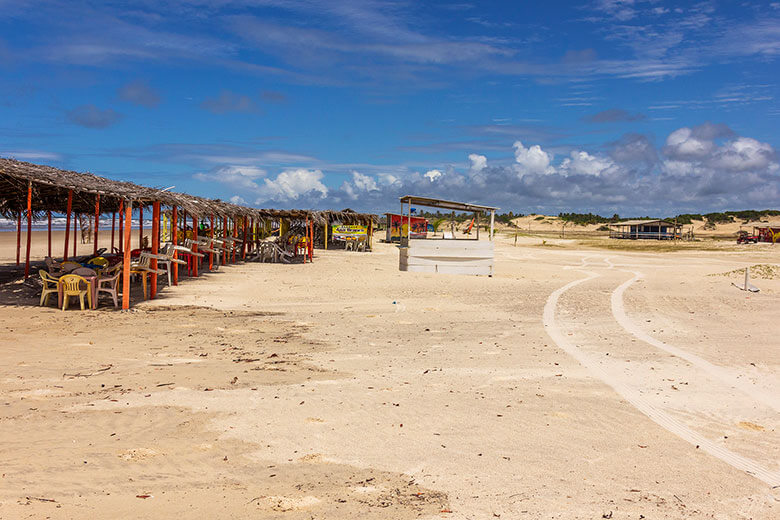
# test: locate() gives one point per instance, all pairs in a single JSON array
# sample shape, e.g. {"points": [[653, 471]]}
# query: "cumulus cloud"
{"points": [[90, 116], [478, 162], [139, 93], [291, 185], [433, 174], [228, 101], [631, 177], [532, 159], [242, 178]]}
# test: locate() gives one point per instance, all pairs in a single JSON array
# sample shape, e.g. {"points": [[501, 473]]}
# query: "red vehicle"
{"points": [[743, 237]]}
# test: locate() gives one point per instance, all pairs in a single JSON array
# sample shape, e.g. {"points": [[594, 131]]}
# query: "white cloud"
{"points": [[478, 162], [433, 174], [683, 143], [745, 153], [532, 159], [360, 184], [235, 199], [585, 164], [242, 178], [292, 185]]}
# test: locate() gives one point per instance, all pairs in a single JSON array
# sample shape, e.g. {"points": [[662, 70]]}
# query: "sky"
{"points": [[636, 107]]}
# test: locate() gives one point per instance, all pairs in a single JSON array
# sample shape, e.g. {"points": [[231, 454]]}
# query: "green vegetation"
{"points": [[583, 219], [540, 217]]}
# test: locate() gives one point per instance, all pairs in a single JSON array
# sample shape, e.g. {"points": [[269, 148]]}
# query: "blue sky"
{"points": [[641, 107]]}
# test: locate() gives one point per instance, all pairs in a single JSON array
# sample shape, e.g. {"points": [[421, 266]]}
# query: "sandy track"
{"points": [[616, 379]]}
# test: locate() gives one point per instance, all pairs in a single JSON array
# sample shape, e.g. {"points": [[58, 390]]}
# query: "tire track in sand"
{"points": [[619, 313], [613, 380]]}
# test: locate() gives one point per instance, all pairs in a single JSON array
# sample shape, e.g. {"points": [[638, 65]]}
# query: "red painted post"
{"points": [[211, 255], [97, 223], [140, 226], [235, 235], [175, 240], [121, 225], [113, 225], [195, 244], [126, 260], [67, 225], [244, 244], [155, 244], [19, 238], [29, 230], [48, 215]]}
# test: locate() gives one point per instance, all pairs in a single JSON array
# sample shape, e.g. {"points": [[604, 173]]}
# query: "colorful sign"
{"points": [[348, 231], [398, 225]]}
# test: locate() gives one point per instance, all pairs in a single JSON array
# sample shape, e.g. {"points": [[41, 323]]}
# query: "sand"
{"points": [[575, 383]]}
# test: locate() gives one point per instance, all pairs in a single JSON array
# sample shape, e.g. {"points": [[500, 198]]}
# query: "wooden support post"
{"points": [[155, 245], [175, 241], [311, 241], [97, 224], [140, 226], [48, 215], [128, 218], [29, 230], [75, 220], [113, 225], [121, 225], [325, 233], [195, 259], [67, 225], [19, 238], [211, 255], [492, 222]]}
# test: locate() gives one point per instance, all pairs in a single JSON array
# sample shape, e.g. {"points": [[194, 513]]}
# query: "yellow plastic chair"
{"points": [[49, 286], [71, 286]]}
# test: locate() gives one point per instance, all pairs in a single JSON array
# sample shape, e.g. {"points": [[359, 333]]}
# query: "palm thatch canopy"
{"points": [[50, 188]]}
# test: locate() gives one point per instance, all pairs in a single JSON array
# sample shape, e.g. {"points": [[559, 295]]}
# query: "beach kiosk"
{"points": [[447, 254]]}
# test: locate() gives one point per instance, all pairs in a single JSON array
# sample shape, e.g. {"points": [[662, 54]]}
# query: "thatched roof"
{"points": [[50, 188]]}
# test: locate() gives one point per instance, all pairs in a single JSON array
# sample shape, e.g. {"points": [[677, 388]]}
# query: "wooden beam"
{"points": [[128, 218], [113, 225], [29, 230], [224, 234], [155, 245], [244, 244], [211, 254], [75, 220]]}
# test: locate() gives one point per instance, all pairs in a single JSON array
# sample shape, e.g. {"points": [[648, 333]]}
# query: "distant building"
{"points": [[767, 233], [647, 229]]}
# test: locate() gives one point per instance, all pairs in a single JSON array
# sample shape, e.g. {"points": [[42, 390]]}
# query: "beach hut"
{"points": [[396, 227], [767, 232], [447, 254], [646, 229]]}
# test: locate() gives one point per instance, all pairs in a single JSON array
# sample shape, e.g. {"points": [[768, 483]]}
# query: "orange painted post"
{"points": [[113, 226], [140, 226], [48, 215], [155, 244], [97, 223], [195, 261], [19, 238], [67, 224], [121, 225], [224, 234], [235, 235], [175, 240], [244, 244], [126, 259], [211, 255], [29, 230]]}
